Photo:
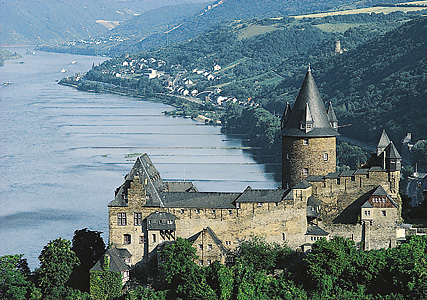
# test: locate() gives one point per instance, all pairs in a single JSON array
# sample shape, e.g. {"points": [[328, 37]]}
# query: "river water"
{"points": [[63, 152]]}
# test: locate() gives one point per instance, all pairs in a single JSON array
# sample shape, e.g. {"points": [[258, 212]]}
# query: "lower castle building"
{"points": [[315, 201]]}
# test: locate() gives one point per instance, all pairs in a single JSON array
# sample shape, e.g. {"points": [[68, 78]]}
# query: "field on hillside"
{"points": [[369, 10]]}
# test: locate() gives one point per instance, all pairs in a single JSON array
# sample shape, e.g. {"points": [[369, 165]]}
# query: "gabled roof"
{"points": [[212, 235], [116, 260], [309, 95], [261, 196], [316, 230], [379, 191], [391, 151]]}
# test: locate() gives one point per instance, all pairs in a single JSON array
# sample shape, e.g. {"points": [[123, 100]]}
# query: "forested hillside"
{"points": [[148, 32], [377, 85], [48, 21]]}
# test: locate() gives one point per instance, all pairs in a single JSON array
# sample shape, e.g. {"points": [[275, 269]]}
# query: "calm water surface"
{"points": [[63, 152]]}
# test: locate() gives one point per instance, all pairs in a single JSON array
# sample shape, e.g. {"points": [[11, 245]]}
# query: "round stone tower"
{"points": [[308, 135]]}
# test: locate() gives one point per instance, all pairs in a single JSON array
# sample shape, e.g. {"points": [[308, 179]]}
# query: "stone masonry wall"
{"points": [[296, 155]]}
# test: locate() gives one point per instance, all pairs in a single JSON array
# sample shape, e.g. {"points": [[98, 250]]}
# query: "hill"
{"points": [[377, 85], [47, 21], [150, 31]]}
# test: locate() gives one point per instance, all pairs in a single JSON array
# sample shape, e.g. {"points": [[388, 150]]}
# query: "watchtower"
{"points": [[308, 136]]}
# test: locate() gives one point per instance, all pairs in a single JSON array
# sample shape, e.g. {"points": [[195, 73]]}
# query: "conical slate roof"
{"points": [[391, 151], [383, 143], [331, 113], [309, 95], [286, 115]]}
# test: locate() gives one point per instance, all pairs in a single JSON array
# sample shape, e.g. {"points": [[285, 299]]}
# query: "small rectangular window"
{"points": [[127, 239], [210, 246], [201, 246], [325, 156], [237, 205], [200, 262], [154, 237], [213, 211], [230, 212], [121, 219], [182, 211], [141, 239], [137, 219], [305, 172], [383, 213], [305, 142], [367, 212], [259, 203], [208, 262]]}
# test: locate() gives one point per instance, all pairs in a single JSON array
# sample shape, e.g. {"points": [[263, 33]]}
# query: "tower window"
{"points": [[302, 126], [305, 142], [127, 239], [137, 219], [121, 219], [325, 156], [305, 171]]}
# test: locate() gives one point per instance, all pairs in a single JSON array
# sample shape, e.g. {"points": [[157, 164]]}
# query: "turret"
{"points": [[308, 136], [383, 143]]}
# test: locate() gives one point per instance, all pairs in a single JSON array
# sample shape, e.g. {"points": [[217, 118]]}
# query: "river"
{"points": [[63, 152]]}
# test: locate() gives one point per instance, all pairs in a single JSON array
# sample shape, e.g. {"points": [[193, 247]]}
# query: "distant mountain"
{"points": [[58, 21]]}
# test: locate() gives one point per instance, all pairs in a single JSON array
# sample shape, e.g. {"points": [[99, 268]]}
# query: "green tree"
{"points": [[258, 254], [221, 279], [89, 247], [57, 261], [176, 259], [14, 281]]}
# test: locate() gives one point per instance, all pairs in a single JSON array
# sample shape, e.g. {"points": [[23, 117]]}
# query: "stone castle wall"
{"points": [[342, 196]]}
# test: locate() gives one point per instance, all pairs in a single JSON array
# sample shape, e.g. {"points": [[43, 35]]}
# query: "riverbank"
{"points": [[186, 107]]}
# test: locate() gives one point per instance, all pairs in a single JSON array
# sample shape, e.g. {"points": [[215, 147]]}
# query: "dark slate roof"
{"points": [[181, 186], [289, 195], [316, 230], [376, 169], [379, 191], [250, 195], [315, 178], [309, 94], [332, 175], [331, 113], [361, 172], [199, 200], [347, 173], [145, 170], [313, 201], [384, 141], [303, 184], [286, 113], [367, 204], [391, 151], [161, 221], [116, 262]]}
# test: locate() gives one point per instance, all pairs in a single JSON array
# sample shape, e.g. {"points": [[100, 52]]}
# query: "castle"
{"points": [[315, 201]]}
